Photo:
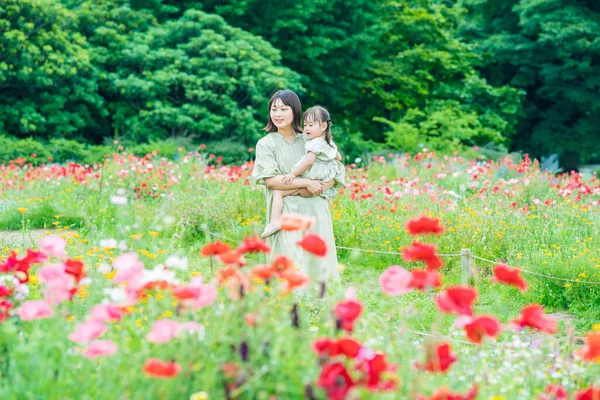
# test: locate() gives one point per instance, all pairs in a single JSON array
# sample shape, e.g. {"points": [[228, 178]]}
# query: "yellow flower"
{"points": [[199, 396], [153, 233], [568, 285], [168, 314], [596, 327], [22, 210]]}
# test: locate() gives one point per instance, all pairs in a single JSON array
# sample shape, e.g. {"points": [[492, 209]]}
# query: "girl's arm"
{"points": [[302, 167], [338, 156]]}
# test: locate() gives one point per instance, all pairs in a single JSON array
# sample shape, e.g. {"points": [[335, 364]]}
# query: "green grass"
{"points": [[39, 362]]}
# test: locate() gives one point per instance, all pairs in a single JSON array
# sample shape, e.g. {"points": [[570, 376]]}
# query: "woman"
{"points": [[276, 155]]}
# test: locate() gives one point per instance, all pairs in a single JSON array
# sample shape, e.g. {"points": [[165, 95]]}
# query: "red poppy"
{"points": [[232, 258], [5, 291], [293, 222], [424, 226], [554, 392], [426, 253], [215, 248], [231, 370], [482, 326], [509, 276], [75, 268], [281, 263], [5, 307], [591, 393], [347, 312], [186, 292], [591, 350], [423, 279], [314, 244], [458, 300], [346, 346], [533, 317], [293, 279], [336, 381], [263, 272], [161, 369], [375, 368], [20, 266], [438, 358], [224, 274], [253, 245], [444, 393]]}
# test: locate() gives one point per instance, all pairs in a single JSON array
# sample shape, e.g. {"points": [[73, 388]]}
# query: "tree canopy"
{"points": [[401, 74]]}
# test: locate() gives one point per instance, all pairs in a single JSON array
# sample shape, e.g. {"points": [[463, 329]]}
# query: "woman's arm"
{"points": [[305, 192], [338, 156], [276, 183]]}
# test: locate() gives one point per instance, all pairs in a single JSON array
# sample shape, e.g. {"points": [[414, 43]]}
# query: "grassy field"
{"points": [[505, 211]]}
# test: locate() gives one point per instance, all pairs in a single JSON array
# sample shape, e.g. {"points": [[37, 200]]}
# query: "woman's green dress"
{"points": [[275, 156]]}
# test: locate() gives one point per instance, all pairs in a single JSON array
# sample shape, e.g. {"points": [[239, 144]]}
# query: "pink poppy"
{"points": [[53, 246], [87, 331], [34, 309], [395, 281], [98, 348]]}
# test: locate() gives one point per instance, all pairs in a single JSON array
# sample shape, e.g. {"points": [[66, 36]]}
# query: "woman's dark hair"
{"points": [[319, 115], [290, 99]]}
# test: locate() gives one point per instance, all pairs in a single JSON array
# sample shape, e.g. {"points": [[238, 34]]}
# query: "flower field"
{"points": [[142, 278]]}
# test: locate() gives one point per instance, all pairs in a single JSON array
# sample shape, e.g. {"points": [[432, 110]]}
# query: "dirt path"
{"points": [[17, 238]]}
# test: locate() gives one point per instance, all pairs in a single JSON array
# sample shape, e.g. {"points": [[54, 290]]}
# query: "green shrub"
{"points": [[232, 151], [63, 150], [7, 145], [96, 154], [166, 148], [31, 150]]}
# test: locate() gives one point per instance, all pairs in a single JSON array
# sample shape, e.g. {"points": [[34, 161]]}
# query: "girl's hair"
{"points": [[319, 115], [290, 99]]}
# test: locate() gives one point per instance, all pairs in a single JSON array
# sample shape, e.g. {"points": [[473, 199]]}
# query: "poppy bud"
{"points": [[308, 393], [323, 291], [244, 350], [295, 320]]}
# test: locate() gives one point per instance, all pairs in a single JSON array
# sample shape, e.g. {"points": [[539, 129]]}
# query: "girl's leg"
{"points": [[277, 203], [276, 210]]}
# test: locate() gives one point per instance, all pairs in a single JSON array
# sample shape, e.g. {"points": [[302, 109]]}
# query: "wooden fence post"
{"points": [[466, 260]]}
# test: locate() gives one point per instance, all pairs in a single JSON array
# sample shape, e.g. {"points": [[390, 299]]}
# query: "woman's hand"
{"points": [[315, 188], [303, 193]]}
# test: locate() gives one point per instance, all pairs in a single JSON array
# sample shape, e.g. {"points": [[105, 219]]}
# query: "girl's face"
{"points": [[281, 114], [314, 129]]}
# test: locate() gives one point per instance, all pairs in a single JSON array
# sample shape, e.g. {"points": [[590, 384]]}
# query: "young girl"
{"points": [[319, 162]]}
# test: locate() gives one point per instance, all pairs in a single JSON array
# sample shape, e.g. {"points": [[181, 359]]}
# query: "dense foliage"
{"points": [[403, 74]]}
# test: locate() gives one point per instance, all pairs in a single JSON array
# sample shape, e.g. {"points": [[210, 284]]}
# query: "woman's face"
{"points": [[281, 114]]}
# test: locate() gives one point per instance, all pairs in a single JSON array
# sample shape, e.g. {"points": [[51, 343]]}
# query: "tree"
{"points": [[425, 87], [48, 84], [99, 68], [551, 49], [329, 42]]}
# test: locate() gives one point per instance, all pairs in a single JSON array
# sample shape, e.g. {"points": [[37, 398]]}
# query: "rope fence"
{"points": [[466, 256]]}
